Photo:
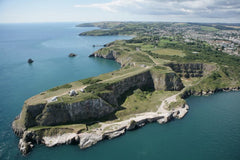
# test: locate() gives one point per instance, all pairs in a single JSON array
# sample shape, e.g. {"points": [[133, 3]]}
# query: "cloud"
{"points": [[114, 6], [187, 8]]}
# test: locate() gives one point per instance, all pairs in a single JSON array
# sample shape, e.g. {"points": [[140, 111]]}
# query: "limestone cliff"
{"points": [[188, 69], [111, 54], [60, 113], [148, 80], [142, 80], [167, 81]]}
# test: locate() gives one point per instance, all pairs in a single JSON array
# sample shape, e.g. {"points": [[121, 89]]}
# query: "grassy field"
{"points": [[142, 101], [206, 28], [59, 90], [170, 52]]}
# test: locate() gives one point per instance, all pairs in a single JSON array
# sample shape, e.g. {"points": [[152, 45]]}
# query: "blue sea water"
{"points": [[209, 131]]}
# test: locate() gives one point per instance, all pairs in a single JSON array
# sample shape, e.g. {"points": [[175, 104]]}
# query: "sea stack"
{"points": [[72, 55], [30, 61]]}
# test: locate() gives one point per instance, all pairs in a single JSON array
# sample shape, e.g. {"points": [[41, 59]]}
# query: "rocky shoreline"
{"points": [[106, 131], [189, 93]]}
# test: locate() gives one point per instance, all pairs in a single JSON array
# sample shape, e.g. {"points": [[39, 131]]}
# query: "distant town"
{"points": [[223, 38]]}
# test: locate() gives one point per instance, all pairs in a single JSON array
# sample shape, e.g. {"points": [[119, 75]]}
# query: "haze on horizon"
{"points": [[219, 11]]}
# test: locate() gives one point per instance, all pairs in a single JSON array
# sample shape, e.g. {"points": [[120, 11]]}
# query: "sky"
{"points": [[30, 11]]}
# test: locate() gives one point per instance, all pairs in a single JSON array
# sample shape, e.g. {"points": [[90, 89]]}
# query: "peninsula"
{"points": [[158, 71]]}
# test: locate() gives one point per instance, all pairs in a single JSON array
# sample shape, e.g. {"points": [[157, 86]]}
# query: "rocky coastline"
{"points": [[106, 131], [88, 139], [111, 129]]}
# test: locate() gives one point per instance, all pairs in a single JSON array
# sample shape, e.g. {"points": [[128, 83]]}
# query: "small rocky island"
{"points": [[72, 55], [156, 75], [30, 61]]}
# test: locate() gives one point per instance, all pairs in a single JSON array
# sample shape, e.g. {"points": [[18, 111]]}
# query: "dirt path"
{"points": [[125, 75]]}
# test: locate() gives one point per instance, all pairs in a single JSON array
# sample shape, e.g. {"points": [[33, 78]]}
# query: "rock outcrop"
{"points": [[111, 55], [25, 147], [72, 55], [167, 81], [30, 61], [89, 139]]}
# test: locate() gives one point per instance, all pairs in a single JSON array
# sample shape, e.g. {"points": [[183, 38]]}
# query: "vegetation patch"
{"points": [[98, 88], [142, 101], [207, 28], [61, 87], [90, 80], [170, 52], [78, 98]]}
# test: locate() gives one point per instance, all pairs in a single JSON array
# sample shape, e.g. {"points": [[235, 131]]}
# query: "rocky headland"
{"points": [[150, 87]]}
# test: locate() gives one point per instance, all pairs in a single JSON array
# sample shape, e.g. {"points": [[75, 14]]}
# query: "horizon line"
{"points": [[120, 21]]}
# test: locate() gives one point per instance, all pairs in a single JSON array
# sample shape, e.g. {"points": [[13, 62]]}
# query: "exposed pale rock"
{"points": [[165, 119], [132, 125], [114, 134], [182, 111], [89, 139], [175, 114], [67, 138], [25, 147]]}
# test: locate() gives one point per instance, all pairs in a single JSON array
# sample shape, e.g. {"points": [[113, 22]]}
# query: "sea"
{"points": [[210, 131]]}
